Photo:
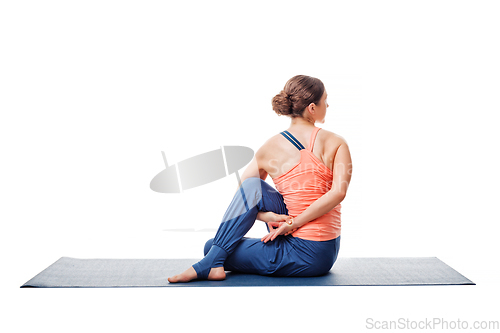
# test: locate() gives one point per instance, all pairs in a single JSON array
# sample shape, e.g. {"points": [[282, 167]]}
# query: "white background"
{"points": [[93, 91]]}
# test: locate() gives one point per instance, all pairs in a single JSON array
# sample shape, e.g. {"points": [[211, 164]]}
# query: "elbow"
{"points": [[339, 194], [337, 197]]}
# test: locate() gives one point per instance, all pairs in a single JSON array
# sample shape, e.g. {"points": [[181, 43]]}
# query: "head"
{"points": [[303, 96]]}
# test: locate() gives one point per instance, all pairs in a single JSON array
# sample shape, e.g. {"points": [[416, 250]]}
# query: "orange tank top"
{"points": [[302, 185]]}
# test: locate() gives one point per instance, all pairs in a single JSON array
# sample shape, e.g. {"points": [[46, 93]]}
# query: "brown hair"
{"points": [[299, 92]]}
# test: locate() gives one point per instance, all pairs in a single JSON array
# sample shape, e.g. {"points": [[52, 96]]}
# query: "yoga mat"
{"points": [[105, 273]]}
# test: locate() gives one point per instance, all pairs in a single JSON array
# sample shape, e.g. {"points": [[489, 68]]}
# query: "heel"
{"points": [[214, 258]]}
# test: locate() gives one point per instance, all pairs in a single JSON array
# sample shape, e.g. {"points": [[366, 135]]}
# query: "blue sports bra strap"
{"points": [[292, 139]]}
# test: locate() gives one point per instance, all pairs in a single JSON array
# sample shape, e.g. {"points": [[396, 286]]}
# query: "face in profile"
{"points": [[320, 109]]}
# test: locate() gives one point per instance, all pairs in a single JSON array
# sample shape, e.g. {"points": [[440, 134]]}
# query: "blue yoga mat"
{"points": [[107, 273]]}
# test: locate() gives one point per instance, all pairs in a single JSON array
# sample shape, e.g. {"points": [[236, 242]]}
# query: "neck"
{"points": [[302, 122]]}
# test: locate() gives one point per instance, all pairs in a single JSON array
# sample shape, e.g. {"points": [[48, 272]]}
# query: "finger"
{"points": [[274, 224], [266, 238], [272, 235], [278, 232]]}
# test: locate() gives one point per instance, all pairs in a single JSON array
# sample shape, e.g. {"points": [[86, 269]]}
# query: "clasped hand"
{"points": [[277, 225]]}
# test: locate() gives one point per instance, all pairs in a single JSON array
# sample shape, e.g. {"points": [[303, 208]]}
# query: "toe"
{"points": [[173, 279]]}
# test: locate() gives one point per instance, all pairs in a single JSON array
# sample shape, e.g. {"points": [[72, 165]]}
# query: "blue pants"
{"points": [[285, 256]]}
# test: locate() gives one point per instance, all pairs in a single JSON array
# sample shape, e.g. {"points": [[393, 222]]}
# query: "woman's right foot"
{"points": [[216, 274]]}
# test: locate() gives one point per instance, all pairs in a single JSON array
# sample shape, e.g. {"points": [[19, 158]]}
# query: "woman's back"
{"points": [[302, 172], [277, 156]]}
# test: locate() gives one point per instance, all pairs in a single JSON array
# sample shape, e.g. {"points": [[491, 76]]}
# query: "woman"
{"points": [[311, 169]]}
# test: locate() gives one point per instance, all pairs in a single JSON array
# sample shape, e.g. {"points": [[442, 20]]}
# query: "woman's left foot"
{"points": [[216, 274]]}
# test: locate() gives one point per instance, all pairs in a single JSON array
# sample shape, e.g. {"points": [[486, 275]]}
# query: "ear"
{"points": [[311, 108]]}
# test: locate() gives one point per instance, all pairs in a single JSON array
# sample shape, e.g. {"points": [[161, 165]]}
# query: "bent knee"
{"points": [[252, 188], [252, 183]]}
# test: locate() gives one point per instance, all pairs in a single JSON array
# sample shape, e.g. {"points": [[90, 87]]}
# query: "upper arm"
{"points": [[342, 169], [254, 169]]}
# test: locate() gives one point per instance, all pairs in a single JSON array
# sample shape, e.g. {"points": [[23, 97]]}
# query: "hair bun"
{"points": [[282, 104], [299, 92]]}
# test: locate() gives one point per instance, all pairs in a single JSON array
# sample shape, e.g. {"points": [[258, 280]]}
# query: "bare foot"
{"points": [[216, 274]]}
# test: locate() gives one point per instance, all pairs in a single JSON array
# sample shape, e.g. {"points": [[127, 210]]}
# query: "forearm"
{"points": [[260, 216], [318, 208]]}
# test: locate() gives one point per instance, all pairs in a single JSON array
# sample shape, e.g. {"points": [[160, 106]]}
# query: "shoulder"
{"points": [[269, 147], [333, 148], [331, 139]]}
